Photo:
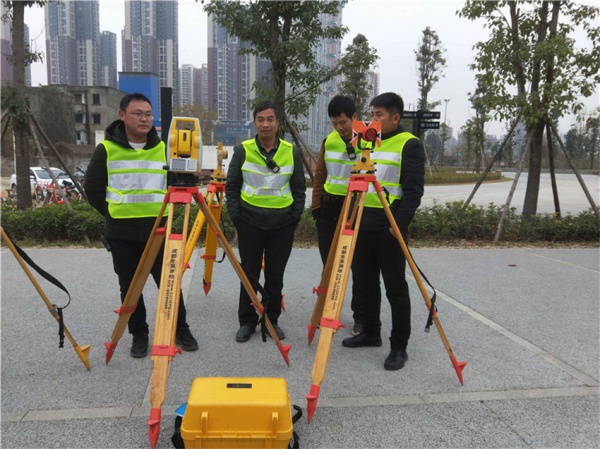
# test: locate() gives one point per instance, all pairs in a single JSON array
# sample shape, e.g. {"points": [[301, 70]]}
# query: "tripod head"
{"points": [[184, 151], [365, 132]]}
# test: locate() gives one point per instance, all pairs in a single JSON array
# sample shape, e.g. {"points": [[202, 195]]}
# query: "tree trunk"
{"points": [[535, 170], [20, 123]]}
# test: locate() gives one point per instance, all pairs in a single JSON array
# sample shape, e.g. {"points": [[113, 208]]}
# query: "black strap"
{"points": [[51, 279], [296, 439], [387, 194], [265, 303], [432, 308]]}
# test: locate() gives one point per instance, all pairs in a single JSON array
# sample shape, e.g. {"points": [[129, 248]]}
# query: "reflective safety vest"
{"points": [[388, 159], [137, 180], [261, 187], [338, 164]]}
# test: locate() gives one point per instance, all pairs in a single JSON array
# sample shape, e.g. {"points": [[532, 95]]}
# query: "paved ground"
{"points": [[525, 320]]}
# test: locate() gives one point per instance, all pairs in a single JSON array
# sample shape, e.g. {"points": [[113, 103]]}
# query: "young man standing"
{"points": [[126, 182], [332, 175], [400, 164], [265, 194]]}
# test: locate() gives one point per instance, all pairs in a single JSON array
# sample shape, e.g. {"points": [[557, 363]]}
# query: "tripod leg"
{"points": [[210, 251], [82, 351], [194, 235], [284, 350], [163, 347], [458, 366], [338, 280], [140, 276], [321, 290]]}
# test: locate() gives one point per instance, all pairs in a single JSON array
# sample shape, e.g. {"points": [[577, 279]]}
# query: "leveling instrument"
{"points": [[56, 312], [163, 347], [332, 288]]}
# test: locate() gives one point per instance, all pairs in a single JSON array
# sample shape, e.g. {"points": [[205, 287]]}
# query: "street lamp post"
{"points": [[446, 100]]}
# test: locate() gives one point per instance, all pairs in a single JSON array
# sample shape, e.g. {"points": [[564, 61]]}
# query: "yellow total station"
{"points": [[185, 147]]}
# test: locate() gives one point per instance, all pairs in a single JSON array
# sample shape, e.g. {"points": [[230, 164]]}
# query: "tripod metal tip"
{"points": [[206, 286], [311, 401], [154, 426], [311, 333], [284, 352], [458, 367], [110, 349]]}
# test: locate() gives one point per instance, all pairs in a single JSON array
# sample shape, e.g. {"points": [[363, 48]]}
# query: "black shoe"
{"points": [[362, 340], [278, 331], [139, 347], [358, 328], [186, 340], [244, 333], [395, 360]]}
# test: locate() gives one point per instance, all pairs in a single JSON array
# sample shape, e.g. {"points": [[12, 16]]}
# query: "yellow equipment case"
{"points": [[241, 412]]}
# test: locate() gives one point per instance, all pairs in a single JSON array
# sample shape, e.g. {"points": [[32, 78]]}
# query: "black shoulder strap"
{"points": [[51, 279]]}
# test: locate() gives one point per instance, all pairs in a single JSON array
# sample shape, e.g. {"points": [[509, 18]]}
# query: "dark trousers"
{"points": [[329, 215], [126, 256], [379, 253], [276, 246]]}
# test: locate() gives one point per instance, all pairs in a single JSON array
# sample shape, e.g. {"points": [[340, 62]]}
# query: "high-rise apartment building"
{"points": [[230, 76], [72, 42], [200, 94], [6, 68], [150, 41], [108, 59], [327, 53], [186, 84]]}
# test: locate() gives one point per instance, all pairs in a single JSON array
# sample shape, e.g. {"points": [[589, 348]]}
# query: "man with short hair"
{"points": [[332, 175], [126, 181], [400, 170], [265, 193]]}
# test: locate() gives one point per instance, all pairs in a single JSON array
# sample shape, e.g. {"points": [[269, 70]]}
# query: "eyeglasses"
{"points": [[139, 115]]}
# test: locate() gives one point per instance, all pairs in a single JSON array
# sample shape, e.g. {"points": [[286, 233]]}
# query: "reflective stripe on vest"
{"points": [[338, 164], [137, 180], [261, 187], [388, 160]]}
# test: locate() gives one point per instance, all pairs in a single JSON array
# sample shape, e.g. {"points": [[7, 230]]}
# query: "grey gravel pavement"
{"points": [[526, 321]]}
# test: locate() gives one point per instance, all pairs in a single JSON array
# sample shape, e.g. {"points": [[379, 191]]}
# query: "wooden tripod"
{"points": [[163, 347], [82, 351], [332, 288]]}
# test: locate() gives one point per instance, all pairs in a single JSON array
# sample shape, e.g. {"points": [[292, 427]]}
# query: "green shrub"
{"points": [[438, 223]]}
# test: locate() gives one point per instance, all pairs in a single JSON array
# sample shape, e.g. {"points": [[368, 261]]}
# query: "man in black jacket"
{"points": [[400, 169], [126, 182], [265, 194]]}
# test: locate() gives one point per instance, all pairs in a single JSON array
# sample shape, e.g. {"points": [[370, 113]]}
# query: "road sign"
{"points": [[431, 115], [429, 125], [409, 114]]}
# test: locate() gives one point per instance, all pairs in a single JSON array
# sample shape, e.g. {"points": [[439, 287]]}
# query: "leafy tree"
{"points": [[430, 66], [354, 66], [592, 138], [533, 68], [18, 106], [285, 33], [478, 124], [207, 119]]}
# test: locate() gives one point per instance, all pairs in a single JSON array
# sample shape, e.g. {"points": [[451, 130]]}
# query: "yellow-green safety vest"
{"points": [[261, 187], [338, 164], [137, 180], [388, 159]]}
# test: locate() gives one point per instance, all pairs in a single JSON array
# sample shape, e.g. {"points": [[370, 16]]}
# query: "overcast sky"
{"points": [[392, 27]]}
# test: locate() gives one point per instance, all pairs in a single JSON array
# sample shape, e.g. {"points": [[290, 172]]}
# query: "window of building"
{"points": [[79, 118], [96, 119], [79, 98], [96, 99]]}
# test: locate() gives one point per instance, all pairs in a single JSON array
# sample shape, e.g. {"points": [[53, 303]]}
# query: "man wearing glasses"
{"points": [[126, 182]]}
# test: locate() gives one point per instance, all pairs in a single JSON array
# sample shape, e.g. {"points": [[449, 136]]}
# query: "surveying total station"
{"points": [[184, 150]]}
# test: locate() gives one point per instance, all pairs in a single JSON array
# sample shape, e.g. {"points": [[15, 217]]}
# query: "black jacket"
{"points": [[412, 178], [96, 180], [261, 217]]}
